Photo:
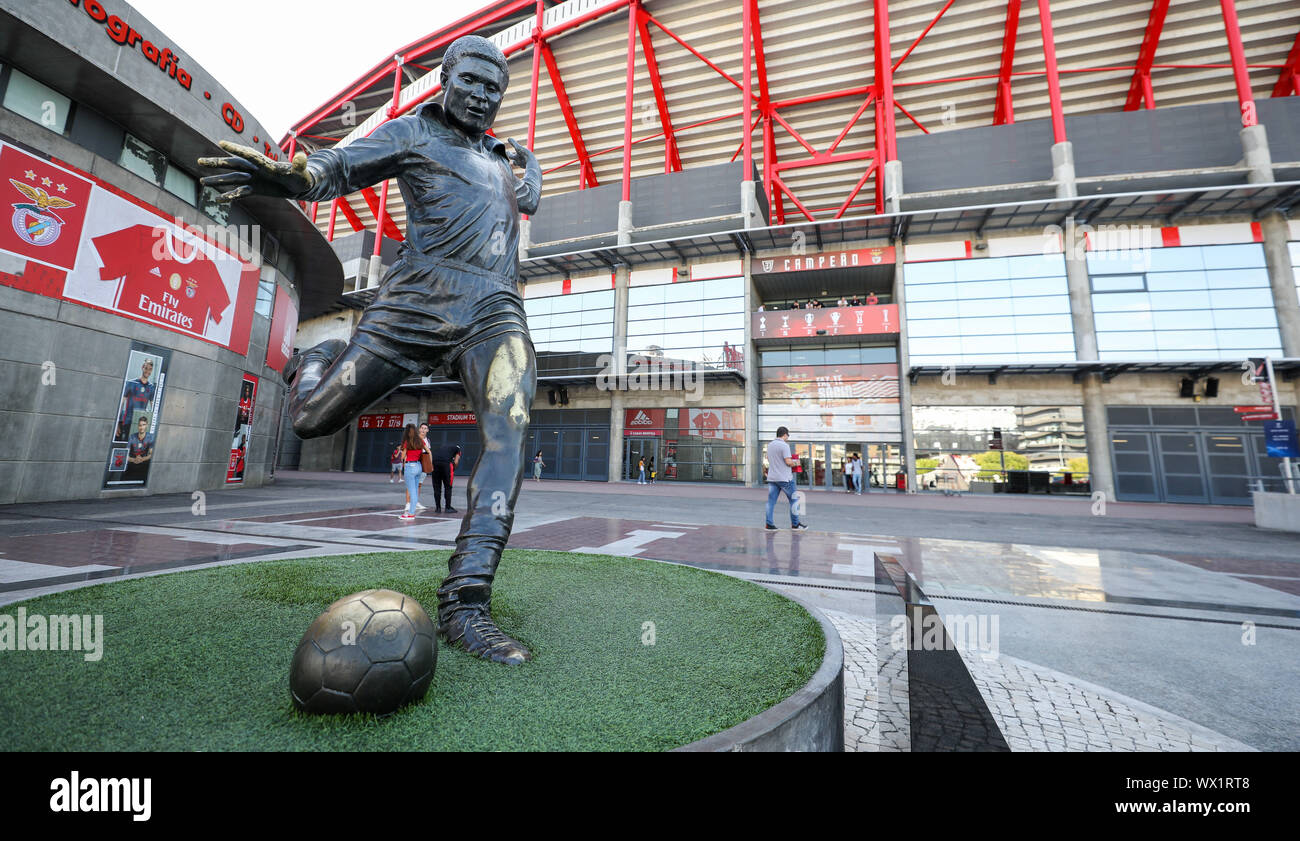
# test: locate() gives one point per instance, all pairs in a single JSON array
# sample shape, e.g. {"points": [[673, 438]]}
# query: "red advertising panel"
{"points": [[243, 430], [284, 326], [643, 423], [880, 319], [121, 255], [451, 418], [47, 208], [380, 422], [829, 260]]}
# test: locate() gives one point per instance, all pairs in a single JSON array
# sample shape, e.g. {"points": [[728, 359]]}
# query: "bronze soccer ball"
{"points": [[370, 652]]}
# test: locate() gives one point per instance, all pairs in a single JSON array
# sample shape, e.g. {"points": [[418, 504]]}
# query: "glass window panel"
{"points": [[724, 287], [1118, 283], [1182, 320], [215, 210], [180, 184], [1119, 301], [1123, 320], [686, 324], [775, 358], [679, 339], [1040, 305], [1175, 281], [142, 159], [678, 309], [537, 306], [983, 326], [928, 327], [1176, 259], [1035, 265], [596, 345], [807, 356], [714, 306], [686, 291], [1047, 343], [1039, 286], [988, 268], [1233, 319], [1187, 340], [1241, 298], [645, 311], [1129, 416], [645, 328], [940, 271], [942, 345], [842, 356], [1237, 279], [561, 334], [986, 306], [1144, 340], [603, 299], [1042, 324], [646, 294], [597, 331], [723, 322], [597, 316], [1243, 256], [1190, 300], [1003, 344], [931, 292], [1237, 339], [37, 102], [932, 309], [984, 289], [566, 303], [566, 319]]}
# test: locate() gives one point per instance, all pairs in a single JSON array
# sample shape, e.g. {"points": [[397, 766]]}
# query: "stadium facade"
{"points": [[142, 325], [1047, 239]]}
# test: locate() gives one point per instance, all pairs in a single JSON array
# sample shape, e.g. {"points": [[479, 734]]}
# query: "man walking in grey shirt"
{"points": [[780, 478]]}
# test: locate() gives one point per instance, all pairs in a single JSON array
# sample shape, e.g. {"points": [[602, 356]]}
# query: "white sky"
{"points": [[282, 58]]}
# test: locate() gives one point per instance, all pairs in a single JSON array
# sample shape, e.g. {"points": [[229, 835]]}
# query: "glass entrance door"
{"points": [[636, 449], [1180, 464]]}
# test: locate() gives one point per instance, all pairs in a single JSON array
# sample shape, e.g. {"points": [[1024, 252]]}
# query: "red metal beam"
{"points": [[852, 121], [747, 89], [856, 189], [1053, 79], [1003, 112], [1239, 73], [924, 32], [627, 102], [651, 18], [1140, 94], [349, 214], [764, 99], [884, 83], [818, 160], [377, 209], [672, 161], [334, 214], [588, 172], [537, 73], [1288, 81], [909, 116], [780, 185]]}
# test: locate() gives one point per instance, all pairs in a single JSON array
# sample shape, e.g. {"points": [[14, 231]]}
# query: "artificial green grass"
{"points": [[199, 660]]}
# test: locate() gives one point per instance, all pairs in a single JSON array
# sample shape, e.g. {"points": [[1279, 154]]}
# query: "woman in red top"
{"points": [[412, 471]]}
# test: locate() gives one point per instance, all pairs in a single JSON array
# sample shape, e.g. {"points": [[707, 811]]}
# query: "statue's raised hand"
{"points": [[256, 174], [522, 155]]}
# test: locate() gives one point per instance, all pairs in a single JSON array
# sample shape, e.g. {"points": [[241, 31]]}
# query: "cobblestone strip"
{"points": [[1037, 709]]}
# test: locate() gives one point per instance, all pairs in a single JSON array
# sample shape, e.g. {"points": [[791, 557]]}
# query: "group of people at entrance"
{"points": [[852, 470], [413, 458], [645, 468], [815, 303]]}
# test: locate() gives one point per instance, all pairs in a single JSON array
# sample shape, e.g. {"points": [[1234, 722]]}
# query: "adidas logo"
{"points": [[642, 419]]}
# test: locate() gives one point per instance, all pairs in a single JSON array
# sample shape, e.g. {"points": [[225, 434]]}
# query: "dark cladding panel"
{"points": [[1281, 119], [699, 193], [977, 157], [1157, 140], [580, 213]]}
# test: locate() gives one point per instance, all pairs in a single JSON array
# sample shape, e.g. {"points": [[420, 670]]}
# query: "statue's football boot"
{"points": [[465, 622]]}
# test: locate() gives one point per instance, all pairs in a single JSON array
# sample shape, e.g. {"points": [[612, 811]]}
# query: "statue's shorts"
{"points": [[430, 310]]}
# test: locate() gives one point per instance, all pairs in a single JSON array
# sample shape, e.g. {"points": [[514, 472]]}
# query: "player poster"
{"points": [[139, 414], [243, 430]]}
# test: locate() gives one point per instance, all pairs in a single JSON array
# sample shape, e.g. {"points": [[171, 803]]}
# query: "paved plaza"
{"points": [[1140, 628]]}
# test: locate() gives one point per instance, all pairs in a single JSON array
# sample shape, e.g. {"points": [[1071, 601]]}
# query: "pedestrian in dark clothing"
{"points": [[444, 461]]}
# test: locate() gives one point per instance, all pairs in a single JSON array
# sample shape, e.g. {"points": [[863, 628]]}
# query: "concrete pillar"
{"points": [[904, 383], [1063, 170], [1079, 288], [749, 209], [625, 223], [893, 186], [1255, 154], [1281, 278], [375, 271], [618, 367], [753, 468], [1097, 437]]}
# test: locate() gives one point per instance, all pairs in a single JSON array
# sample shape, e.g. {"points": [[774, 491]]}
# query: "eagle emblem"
{"points": [[34, 220]]}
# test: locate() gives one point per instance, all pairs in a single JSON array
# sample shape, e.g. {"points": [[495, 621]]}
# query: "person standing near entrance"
{"points": [[780, 478], [640, 466], [413, 447], [538, 464], [855, 468], [443, 466]]}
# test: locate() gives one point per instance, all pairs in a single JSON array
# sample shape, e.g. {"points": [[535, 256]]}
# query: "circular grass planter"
{"points": [[629, 655]]}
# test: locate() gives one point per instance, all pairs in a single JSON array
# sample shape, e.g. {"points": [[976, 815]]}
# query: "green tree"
{"points": [[991, 463], [1078, 464], [925, 465]]}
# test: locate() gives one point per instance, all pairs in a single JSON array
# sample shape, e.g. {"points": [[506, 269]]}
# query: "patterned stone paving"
{"points": [[1036, 708]]}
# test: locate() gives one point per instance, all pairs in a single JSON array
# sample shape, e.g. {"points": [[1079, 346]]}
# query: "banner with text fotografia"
{"points": [[243, 430], [139, 413], [73, 237]]}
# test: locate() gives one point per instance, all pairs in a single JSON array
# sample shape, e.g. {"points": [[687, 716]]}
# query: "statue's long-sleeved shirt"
{"points": [[462, 198]]}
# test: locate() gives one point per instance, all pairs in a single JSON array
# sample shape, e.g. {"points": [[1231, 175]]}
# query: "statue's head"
{"points": [[474, 79]]}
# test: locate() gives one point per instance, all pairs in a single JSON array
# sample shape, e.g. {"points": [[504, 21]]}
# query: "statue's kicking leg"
{"points": [[332, 383], [500, 376]]}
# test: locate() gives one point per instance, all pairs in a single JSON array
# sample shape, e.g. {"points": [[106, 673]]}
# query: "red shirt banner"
{"points": [[243, 430], [877, 320], [284, 326], [91, 244]]}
